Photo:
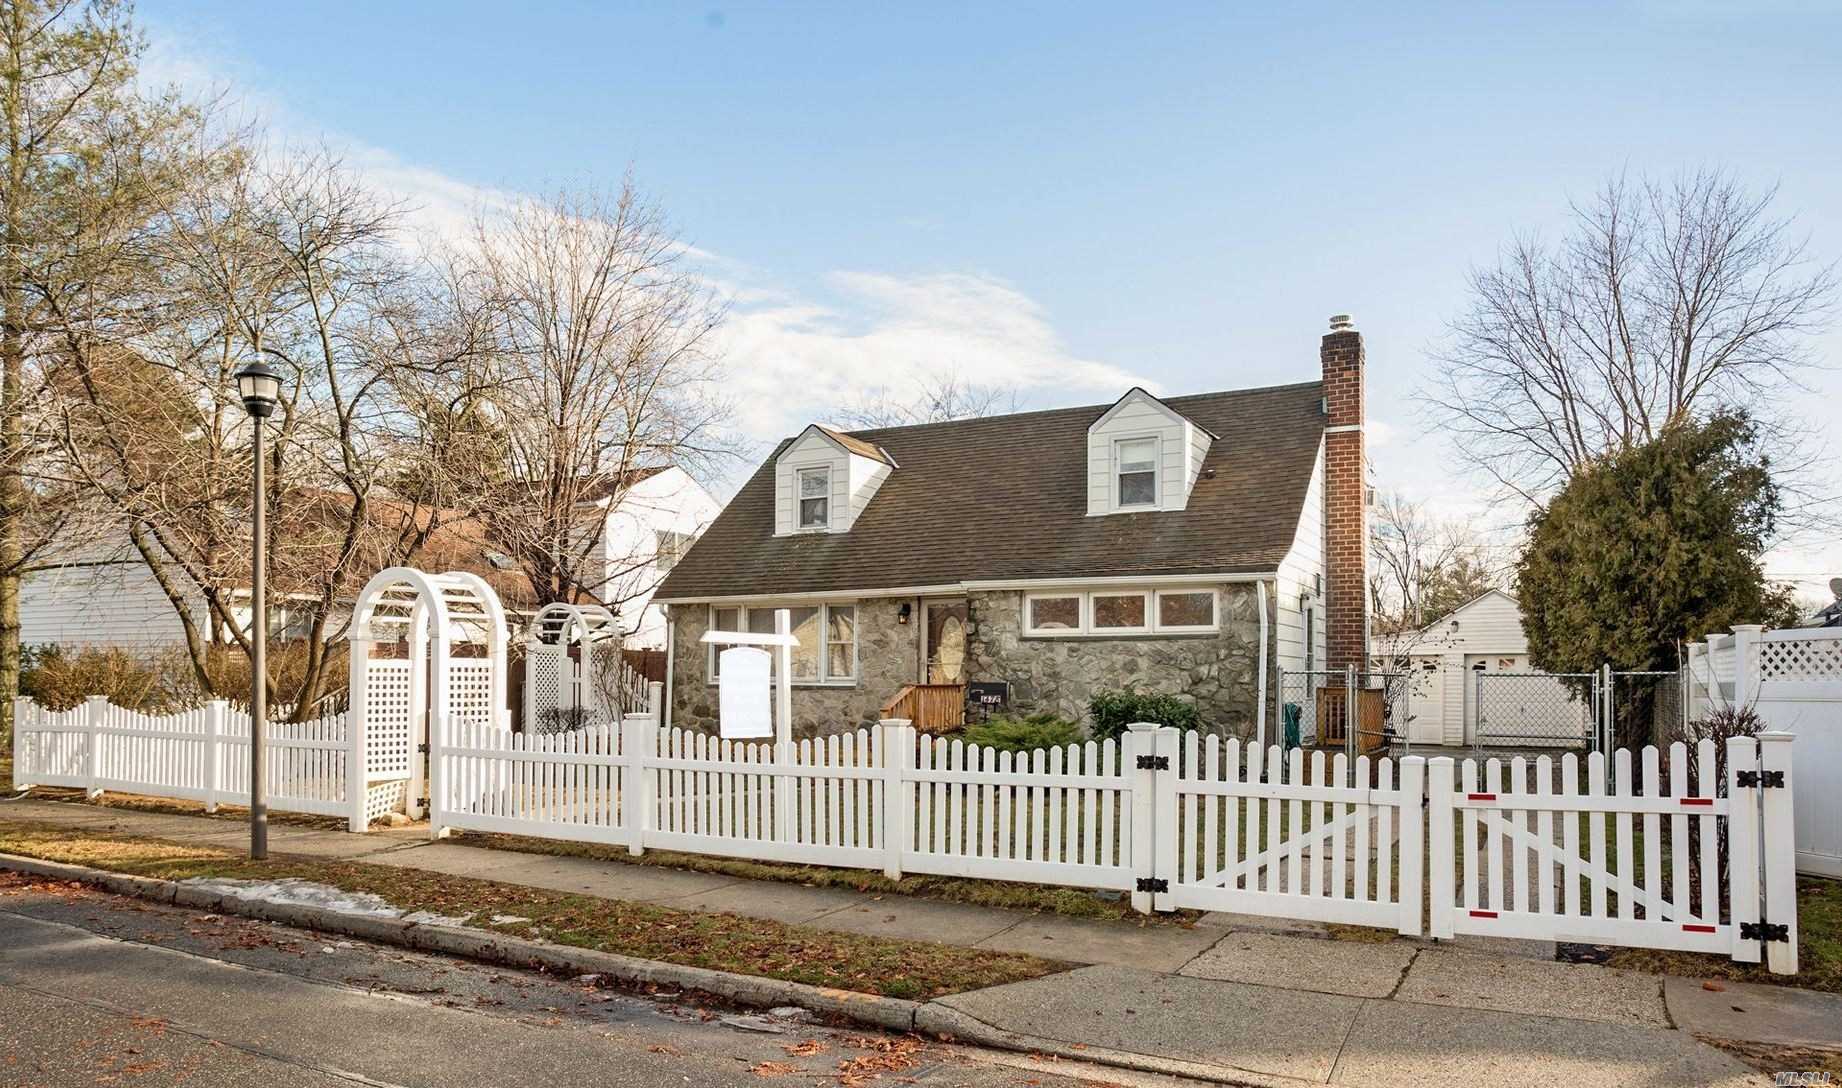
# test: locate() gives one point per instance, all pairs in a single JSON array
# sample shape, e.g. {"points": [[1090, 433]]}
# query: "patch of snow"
{"points": [[508, 919], [308, 893]]}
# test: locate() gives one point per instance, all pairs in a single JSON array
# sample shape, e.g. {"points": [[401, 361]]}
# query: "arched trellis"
{"points": [[572, 661], [447, 638]]}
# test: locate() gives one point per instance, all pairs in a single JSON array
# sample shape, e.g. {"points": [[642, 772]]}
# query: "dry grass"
{"points": [[1819, 935], [724, 942]]}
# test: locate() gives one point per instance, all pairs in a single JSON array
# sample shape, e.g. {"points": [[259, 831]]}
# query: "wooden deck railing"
{"points": [[934, 708]]}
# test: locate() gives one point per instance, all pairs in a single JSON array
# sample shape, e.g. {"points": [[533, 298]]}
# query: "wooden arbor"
{"points": [[572, 668], [424, 648]]}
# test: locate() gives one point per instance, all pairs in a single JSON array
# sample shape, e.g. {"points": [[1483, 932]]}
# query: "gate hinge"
{"points": [[1154, 763], [1768, 780], [423, 748], [1153, 883], [1765, 931]]}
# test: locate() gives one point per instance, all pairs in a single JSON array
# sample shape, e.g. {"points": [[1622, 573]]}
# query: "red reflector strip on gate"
{"points": [[1483, 914], [1686, 928], [1698, 800], [1480, 797]]}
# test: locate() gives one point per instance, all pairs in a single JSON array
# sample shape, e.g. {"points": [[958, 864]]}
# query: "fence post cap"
{"points": [[1748, 627], [1775, 736], [1144, 727], [94, 699], [895, 723]]}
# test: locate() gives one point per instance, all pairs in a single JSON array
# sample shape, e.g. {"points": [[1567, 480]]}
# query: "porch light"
{"points": [[902, 614]]}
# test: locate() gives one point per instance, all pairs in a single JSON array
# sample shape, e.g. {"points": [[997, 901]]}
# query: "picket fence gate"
{"points": [[1693, 850]]}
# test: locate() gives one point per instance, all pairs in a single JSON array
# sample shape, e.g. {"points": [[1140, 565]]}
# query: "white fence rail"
{"points": [[1671, 854], [196, 755]]}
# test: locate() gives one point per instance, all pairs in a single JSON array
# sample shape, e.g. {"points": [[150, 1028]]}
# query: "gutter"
{"points": [[1091, 581], [1260, 699]]}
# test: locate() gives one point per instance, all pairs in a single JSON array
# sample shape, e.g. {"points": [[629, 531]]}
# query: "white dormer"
{"points": [[1143, 455], [824, 479]]}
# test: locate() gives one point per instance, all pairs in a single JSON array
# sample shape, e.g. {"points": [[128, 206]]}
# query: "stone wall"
{"points": [[1217, 672], [888, 655]]}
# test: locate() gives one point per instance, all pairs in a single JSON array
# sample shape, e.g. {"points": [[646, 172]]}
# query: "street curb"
{"points": [[894, 1014], [870, 1010]]}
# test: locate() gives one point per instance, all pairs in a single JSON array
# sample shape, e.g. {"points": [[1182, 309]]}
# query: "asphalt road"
{"points": [[96, 989]]}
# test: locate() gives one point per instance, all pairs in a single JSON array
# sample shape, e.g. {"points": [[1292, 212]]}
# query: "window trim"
{"points": [[1215, 612], [1156, 439], [1093, 612], [1080, 600], [1086, 628], [824, 679], [800, 500]]}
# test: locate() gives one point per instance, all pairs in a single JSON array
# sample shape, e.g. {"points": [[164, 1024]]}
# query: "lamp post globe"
{"points": [[259, 386]]}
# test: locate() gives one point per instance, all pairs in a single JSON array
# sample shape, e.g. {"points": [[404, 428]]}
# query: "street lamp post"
{"points": [[260, 387]]}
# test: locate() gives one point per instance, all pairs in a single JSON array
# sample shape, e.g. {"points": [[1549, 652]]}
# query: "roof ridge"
{"points": [[865, 432]]}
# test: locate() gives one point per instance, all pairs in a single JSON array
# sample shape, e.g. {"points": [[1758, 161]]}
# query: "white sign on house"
{"points": [[744, 702]]}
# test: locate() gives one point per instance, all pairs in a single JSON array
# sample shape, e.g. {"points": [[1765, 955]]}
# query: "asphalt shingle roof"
{"points": [[1005, 497]]}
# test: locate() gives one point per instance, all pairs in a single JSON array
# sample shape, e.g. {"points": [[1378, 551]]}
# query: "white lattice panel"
{"points": [[1807, 658], [389, 738], [383, 798], [543, 679], [470, 689]]}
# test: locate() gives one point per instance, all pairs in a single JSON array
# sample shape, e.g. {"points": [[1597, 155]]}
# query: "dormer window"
{"points": [[1136, 478], [815, 497]]}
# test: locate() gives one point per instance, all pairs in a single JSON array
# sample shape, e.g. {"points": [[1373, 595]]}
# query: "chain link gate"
{"points": [[1538, 710], [1343, 708]]}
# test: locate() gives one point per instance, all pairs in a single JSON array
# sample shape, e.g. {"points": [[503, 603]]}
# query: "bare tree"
{"points": [[1420, 568], [284, 256], [936, 398], [86, 155], [600, 374], [1664, 300]]}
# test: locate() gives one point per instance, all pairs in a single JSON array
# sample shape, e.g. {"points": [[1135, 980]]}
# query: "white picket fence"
{"points": [[881, 799], [1668, 853], [196, 755]]}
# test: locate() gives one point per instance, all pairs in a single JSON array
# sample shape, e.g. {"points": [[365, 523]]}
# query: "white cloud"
{"points": [[795, 361]]}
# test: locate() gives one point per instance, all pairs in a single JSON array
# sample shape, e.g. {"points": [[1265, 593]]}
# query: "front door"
{"points": [[944, 623]]}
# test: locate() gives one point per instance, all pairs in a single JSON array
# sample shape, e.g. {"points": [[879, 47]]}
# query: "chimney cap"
{"points": [[1341, 323]]}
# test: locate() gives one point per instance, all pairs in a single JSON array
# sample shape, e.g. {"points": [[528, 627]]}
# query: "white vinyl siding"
{"points": [[1181, 446], [1302, 572], [1489, 631], [854, 482], [100, 604]]}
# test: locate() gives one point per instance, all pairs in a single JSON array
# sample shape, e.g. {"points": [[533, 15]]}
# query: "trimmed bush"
{"points": [[1008, 734], [1112, 711]]}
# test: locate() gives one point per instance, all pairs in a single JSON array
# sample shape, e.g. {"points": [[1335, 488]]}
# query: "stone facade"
{"points": [[1218, 672]]}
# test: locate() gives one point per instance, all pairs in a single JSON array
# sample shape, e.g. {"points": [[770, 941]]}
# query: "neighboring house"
{"points": [[1172, 544], [660, 513], [1483, 635], [104, 595]]}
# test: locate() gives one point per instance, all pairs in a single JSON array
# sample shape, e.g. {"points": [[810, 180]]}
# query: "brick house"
{"points": [[1179, 545]]}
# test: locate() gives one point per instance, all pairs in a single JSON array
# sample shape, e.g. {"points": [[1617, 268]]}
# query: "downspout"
{"points": [[1260, 699], [671, 648]]}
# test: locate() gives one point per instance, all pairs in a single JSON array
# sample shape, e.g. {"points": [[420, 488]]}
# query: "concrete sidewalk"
{"points": [[1232, 998]]}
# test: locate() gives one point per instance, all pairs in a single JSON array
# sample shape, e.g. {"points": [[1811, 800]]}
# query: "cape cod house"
{"points": [[1188, 545]]}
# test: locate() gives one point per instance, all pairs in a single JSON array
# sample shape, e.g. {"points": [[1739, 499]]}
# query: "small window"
{"points": [[1190, 610], [1137, 483], [1120, 612], [841, 642], [1054, 613], [671, 548], [815, 498]]}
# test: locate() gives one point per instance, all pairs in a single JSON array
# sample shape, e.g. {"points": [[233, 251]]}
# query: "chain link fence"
{"points": [[1537, 709]]}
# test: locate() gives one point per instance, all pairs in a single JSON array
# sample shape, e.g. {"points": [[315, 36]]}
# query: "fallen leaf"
{"points": [[804, 1049], [1714, 986], [774, 1069]]}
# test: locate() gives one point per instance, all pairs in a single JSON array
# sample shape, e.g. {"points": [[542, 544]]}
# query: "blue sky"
{"points": [[1064, 197]]}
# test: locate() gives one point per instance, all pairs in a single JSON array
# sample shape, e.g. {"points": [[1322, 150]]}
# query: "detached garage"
{"points": [[1485, 635]]}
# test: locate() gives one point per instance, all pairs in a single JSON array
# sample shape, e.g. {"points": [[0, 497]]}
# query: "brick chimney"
{"points": [[1346, 522]]}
